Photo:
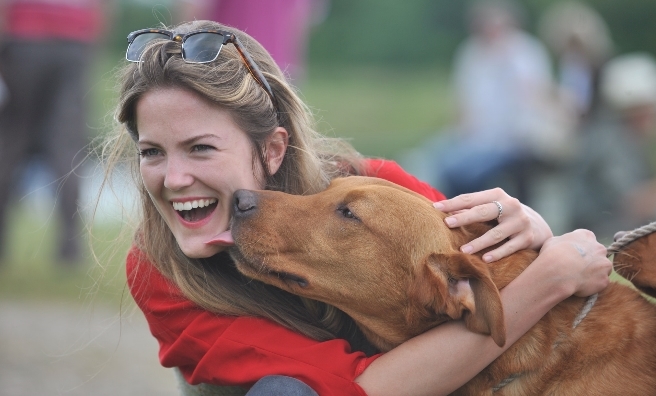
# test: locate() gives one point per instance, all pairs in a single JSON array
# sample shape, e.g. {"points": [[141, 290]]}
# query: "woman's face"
{"points": [[193, 158]]}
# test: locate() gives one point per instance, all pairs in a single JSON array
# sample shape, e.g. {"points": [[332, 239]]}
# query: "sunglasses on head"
{"points": [[199, 46]]}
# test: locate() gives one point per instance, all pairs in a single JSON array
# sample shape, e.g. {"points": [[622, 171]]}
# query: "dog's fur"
{"points": [[383, 255]]}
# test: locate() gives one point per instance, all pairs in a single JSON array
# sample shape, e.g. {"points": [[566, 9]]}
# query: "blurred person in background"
{"points": [[581, 42], [509, 115], [45, 52], [281, 26], [614, 181]]}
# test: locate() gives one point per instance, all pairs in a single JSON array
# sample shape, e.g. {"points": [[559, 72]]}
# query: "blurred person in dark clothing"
{"points": [[614, 180], [45, 53]]}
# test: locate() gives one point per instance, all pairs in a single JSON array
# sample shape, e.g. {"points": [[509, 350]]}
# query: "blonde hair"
{"points": [[310, 162]]}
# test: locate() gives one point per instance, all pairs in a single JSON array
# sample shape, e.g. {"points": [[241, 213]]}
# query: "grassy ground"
{"points": [[29, 270], [381, 111]]}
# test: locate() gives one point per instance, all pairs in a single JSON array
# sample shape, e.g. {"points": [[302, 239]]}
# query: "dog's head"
{"points": [[637, 263], [378, 251]]}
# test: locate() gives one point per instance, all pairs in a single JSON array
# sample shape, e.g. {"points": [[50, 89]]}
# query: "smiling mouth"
{"points": [[194, 211]]}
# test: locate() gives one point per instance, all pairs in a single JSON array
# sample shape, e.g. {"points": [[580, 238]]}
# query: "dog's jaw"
{"points": [[257, 269], [388, 330]]}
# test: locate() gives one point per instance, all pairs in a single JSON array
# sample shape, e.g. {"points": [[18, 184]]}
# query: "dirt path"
{"points": [[51, 348]]}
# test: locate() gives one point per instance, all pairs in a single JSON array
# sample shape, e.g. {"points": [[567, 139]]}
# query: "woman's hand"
{"points": [[577, 261], [524, 227]]}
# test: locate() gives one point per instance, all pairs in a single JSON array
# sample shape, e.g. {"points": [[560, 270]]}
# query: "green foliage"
{"points": [[389, 32], [428, 31], [382, 111], [631, 23]]}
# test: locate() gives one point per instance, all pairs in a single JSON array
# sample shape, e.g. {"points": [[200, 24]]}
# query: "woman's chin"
{"points": [[200, 250]]}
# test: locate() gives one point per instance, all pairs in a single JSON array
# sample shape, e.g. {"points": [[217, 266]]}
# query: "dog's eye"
{"points": [[346, 212]]}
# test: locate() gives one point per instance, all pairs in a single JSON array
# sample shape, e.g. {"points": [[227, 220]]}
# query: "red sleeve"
{"points": [[391, 171], [236, 351]]}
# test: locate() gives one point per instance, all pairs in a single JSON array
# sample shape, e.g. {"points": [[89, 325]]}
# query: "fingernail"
{"points": [[438, 205], [487, 258], [467, 249], [451, 221]]}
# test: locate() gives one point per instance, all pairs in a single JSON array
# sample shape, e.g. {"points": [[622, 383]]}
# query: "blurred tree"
{"points": [[388, 31], [428, 31], [398, 33]]}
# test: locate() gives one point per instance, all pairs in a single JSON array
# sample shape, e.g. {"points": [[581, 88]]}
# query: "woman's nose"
{"points": [[178, 176]]}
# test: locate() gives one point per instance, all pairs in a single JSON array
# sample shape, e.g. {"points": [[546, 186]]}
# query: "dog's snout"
{"points": [[245, 202], [618, 235]]}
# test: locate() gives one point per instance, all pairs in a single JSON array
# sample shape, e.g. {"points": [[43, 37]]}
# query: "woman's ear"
{"points": [[276, 147]]}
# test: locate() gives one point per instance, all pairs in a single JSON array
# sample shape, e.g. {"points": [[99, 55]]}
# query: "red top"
{"points": [[238, 351]]}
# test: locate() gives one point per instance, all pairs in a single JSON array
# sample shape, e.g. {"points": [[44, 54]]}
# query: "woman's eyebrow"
{"points": [[147, 142], [186, 142], [194, 139]]}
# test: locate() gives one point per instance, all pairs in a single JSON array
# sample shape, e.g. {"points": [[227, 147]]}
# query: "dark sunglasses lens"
{"points": [[136, 47], [202, 47]]}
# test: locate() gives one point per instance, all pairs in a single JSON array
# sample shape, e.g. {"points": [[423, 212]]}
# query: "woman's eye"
{"points": [[149, 152], [201, 147]]}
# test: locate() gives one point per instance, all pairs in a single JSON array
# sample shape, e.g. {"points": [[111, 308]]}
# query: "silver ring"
{"points": [[498, 207]]}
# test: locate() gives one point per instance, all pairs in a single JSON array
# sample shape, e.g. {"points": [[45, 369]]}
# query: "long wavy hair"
{"points": [[310, 162]]}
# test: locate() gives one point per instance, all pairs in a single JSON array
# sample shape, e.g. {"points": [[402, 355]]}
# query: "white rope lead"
{"points": [[629, 237]]}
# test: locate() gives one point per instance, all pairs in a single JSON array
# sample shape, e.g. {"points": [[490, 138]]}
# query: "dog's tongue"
{"points": [[222, 239]]}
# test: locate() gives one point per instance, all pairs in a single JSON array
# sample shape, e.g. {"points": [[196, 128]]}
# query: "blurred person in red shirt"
{"points": [[45, 53]]}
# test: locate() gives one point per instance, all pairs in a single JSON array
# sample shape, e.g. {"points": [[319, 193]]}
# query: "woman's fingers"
{"points": [[478, 207], [518, 225], [512, 229]]}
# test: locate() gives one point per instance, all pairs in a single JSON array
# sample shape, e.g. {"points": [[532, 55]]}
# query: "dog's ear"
{"points": [[459, 285]]}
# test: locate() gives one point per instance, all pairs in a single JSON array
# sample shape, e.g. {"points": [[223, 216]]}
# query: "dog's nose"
{"points": [[244, 203]]}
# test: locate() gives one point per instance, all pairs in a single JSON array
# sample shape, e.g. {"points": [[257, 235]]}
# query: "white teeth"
{"points": [[201, 203]]}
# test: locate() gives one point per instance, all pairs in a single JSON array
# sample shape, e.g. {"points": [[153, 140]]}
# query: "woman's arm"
{"points": [[446, 357], [236, 351]]}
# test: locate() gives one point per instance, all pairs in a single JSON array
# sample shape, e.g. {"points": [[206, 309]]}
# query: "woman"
{"points": [[204, 130]]}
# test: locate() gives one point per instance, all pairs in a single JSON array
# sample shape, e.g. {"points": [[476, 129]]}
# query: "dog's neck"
{"points": [[392, 325]]}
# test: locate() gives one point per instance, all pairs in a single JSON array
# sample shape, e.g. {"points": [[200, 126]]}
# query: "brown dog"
{"points": [[383, 255]]}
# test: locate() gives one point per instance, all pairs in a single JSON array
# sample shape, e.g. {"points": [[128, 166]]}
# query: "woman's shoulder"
{"points": [[393, 172]]}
